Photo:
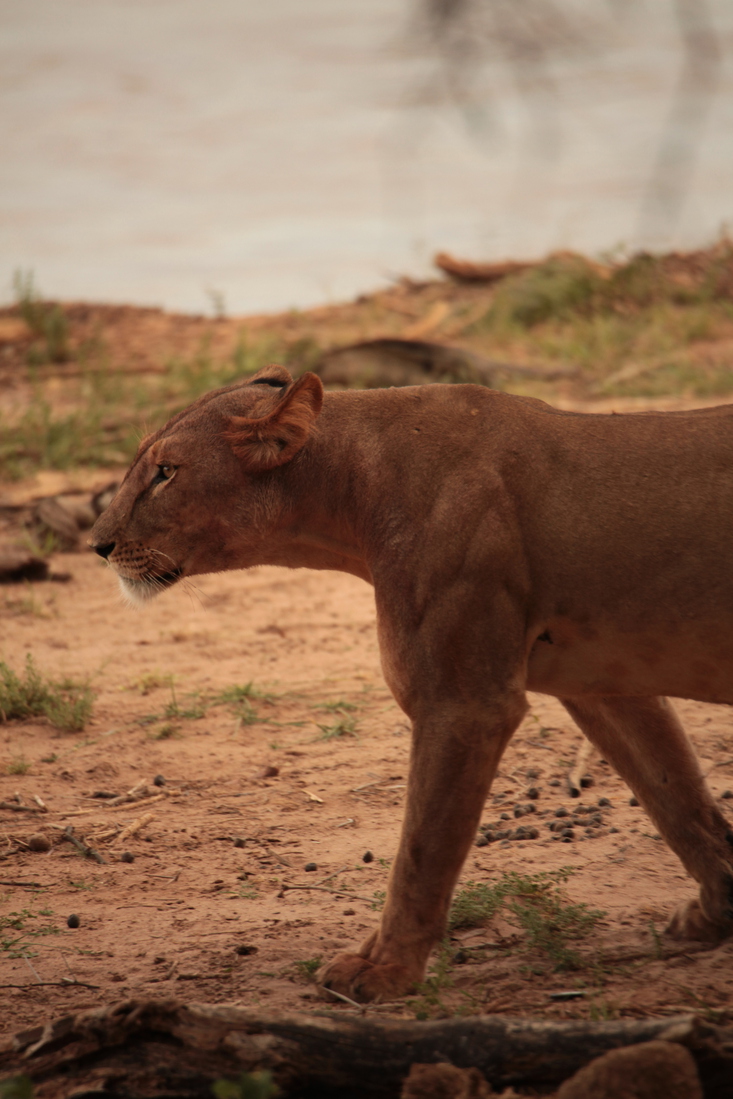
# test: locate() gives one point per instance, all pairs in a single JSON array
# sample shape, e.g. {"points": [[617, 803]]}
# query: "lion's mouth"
{"points": [[141, 589]]}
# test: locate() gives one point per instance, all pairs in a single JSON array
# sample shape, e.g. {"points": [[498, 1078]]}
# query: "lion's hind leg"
{"points": [[644, 741]]}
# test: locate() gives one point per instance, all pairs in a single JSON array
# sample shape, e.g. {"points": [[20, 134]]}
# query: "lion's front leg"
{"points": [[454, 758]]}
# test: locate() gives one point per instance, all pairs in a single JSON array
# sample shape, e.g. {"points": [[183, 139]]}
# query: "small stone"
{"points": [[518, 811], [158, 781], [460, 957], [444, 1080], [568, 833], [238, 841], [127, 856], [533, 793], [481, 841], [367, 857], [561, 812], [633, 801], [614, 829], [73, 921], [490, 835], [40, 843], [586, 781], [727, 794], [532, 772], [649, 1070], [530, 808], [555, 782], [349, 912], [244, 949], [533, 833], [311, 866], [505, 816], [604, 803], [270, 771]]}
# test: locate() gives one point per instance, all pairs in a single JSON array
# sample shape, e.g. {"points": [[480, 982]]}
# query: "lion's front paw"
{"points": [[690, 922], [361, 980]]}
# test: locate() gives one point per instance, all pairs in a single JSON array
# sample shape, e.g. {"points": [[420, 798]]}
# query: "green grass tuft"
{"points": [[539, 907], [345, 727], [66, 703]]}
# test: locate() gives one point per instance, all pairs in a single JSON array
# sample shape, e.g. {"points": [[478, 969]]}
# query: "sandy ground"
{"points": [[216, 902]]}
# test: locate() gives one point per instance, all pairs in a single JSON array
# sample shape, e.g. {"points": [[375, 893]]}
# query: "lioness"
{"points": [[511, 547]]}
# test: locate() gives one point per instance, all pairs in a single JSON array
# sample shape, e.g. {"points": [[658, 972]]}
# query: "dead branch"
{"points": [[166, 1047]]}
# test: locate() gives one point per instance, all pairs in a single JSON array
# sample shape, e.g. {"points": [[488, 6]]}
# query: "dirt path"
{"points": [[309, 769]]}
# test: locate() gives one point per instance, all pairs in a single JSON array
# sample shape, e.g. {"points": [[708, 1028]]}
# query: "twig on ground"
{"points": [[322, 889], [134, 827], [66, 983], [87, 852], [334, 875], [27, 961], [345, 999]]}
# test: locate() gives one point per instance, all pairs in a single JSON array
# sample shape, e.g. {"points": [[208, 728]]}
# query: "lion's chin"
{"points": [[137, 592]]}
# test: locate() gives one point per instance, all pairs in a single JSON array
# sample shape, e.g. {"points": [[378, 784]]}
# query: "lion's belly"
{"points": [[689, 663]]}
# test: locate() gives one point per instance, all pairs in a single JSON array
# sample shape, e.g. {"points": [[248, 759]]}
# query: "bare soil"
{"points": [[209, 897], [217, 903]]}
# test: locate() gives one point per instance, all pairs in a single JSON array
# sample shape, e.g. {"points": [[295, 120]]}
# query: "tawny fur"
{"points": [[511, 547]]}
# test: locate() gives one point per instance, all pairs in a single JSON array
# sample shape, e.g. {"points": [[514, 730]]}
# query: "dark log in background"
{"points": [[146, 1049]]}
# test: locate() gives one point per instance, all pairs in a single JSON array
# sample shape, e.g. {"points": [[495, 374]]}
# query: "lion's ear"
{"points": [[274, 439], [274, 375]]}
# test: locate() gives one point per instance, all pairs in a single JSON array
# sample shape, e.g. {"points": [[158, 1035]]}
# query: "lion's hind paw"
{"points": [[690, 922]]}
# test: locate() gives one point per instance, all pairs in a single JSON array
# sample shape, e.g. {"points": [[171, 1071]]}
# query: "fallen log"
{"points": [[466, 270], [390, 361], [145, 1049]]}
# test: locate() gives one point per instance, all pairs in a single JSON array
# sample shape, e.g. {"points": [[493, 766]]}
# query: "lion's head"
{"points": [[202, 492]]}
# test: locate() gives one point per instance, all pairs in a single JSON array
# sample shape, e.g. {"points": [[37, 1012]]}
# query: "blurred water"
{"points": [[298, 151]]}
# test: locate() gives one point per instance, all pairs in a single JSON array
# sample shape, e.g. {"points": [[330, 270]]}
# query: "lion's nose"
{"points": [[104, 551]]}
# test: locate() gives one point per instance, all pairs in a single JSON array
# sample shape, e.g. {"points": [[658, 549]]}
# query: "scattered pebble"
{"points": [[614, 829], [533, 793], [349, 912], [555, 782], [532, 772], [238, 841], [73, 921], [460, 957], [586, 781], [505, 816], [561, 812], [270, 771], [727, 794], [367, 857], [633, 801], [605, 803], [127, 856], [481, 841], [158, 781], [39, 842], [244, 949], [311, 866]]}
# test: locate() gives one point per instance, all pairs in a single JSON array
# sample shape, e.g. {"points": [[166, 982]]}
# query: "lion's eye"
{"points": [[165, 472]]}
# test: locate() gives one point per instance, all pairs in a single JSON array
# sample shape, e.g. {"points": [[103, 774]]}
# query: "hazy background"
{"points": [[289, 152]]}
